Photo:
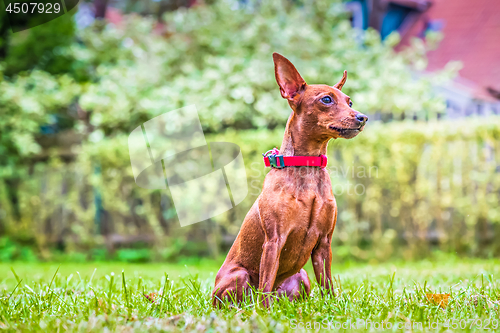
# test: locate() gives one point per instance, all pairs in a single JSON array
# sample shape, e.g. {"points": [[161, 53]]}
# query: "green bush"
{"points": [[133, 255], [10, 251], [219, 58]]}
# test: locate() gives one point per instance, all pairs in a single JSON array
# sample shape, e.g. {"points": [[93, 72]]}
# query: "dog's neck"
{"points": [[297, 142]]}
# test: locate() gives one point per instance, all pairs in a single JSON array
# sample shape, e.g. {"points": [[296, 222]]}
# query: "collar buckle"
{"points": [[273, 161]]}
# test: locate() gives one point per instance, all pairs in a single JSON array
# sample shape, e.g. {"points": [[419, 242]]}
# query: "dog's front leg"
{"points": [[321, 258], [269, 265]]}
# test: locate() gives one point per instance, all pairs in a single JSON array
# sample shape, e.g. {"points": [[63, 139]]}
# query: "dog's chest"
{"points": [[303, 183], [304, 198]]}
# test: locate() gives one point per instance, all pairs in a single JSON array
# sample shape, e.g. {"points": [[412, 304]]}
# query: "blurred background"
{"points": [[423, 178]]}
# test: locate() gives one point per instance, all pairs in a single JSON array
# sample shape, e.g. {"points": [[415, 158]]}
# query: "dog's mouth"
{"points": [[341, 130], [347, 132]]}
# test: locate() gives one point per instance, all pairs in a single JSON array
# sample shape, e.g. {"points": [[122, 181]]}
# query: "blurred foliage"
{"points": [[10, 251], [69, 98], [219, 58]]}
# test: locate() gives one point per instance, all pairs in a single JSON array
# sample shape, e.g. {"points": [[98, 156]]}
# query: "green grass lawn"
{"points": [[98, 296]]}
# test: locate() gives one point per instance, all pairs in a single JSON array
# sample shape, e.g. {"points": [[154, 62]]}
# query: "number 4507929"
{"points": [[33, 8]]}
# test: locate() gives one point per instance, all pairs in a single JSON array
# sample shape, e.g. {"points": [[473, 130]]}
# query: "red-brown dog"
{"points": [[295, 214]]}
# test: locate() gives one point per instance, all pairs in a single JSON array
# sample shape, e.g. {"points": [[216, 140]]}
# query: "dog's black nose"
{"points": [[361, 117]]}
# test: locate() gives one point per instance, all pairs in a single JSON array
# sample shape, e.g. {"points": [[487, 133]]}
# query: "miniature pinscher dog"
{"points": [[295, 215]]}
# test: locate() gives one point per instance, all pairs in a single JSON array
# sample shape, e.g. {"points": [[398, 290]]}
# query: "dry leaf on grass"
{"points": [[438, 299]]}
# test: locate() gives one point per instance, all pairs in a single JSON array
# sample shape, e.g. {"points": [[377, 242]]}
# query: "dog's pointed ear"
{"points": [[342, 81], [288, 78]]}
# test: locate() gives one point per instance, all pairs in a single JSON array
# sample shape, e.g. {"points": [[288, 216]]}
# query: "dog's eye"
{"points": [[326, 99], [350, 104]]}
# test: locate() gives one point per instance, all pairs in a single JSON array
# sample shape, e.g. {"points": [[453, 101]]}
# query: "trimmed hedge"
{"points": [[402, 189]]}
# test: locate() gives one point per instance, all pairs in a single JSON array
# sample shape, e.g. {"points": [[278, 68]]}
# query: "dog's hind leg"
{"points": [[296, 286], [230, 286]]}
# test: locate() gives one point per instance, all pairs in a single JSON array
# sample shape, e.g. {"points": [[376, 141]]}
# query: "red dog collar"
{"points": [[272, 159]]}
